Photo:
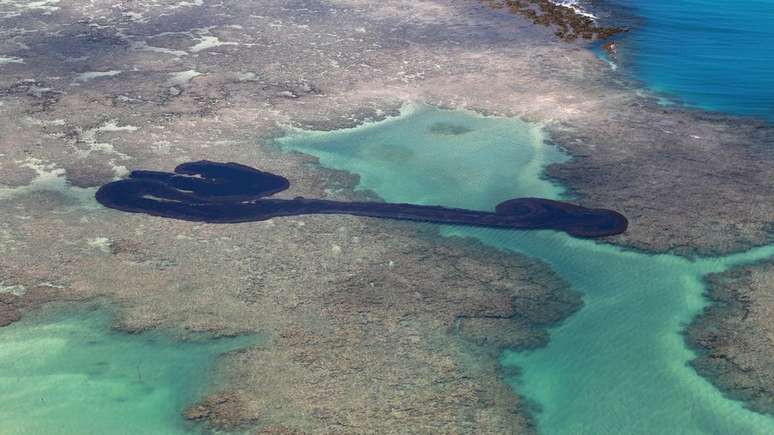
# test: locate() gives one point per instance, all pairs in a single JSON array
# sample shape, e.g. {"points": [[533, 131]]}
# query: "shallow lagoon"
{"points": [[67, 371], [617, 366]]}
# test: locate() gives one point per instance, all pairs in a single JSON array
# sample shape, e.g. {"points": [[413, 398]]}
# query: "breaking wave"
{"points": [[576, 6]]}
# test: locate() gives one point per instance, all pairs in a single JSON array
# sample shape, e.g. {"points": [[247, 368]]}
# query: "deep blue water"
{"points": [[713, 54]]}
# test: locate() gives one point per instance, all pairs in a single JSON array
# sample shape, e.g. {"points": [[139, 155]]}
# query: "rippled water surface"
{"points": [[617, 366], [67, 372], [713, 54]]}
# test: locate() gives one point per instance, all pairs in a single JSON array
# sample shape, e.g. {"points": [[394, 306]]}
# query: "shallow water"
{"points": [[617, 366], [68, 372], [713, 54]]}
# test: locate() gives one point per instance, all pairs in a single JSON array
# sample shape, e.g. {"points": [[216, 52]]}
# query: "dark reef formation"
{"points": [[569, 24], [734, 336], [222, 410], [213, 192]]}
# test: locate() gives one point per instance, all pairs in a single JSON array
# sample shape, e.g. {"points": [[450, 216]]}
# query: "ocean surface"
{"points": [[619, 365], [713, 54]]}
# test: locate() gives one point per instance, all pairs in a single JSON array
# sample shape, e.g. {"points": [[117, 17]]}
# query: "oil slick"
{"points": [[214, 192]]}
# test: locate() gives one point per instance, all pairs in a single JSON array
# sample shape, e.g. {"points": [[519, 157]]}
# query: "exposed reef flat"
{"points": [[685, 179], [665, 168], [735, 335]]}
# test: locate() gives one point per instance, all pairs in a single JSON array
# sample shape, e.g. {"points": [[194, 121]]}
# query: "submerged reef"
{"points": [[213, 192], [735, 335], [224, 410]]}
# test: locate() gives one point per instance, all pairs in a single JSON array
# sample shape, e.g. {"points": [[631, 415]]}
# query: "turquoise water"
{"points": [[713, 54], [67, 372], [617, 366]]}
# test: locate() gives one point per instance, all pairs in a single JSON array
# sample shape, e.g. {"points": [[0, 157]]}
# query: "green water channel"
{"points": [[65, 371], [620, 365]]}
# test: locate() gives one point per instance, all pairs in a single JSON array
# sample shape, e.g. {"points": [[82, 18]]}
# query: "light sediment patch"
{"points": [[91, 75], [21, 7], [144, 46], [89, 137], [10, 59], [205, 42], [182, 77], [49, 178], [16, 290]]}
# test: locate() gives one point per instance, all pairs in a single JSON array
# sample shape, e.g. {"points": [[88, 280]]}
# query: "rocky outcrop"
{"points": [[568, 24]]}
